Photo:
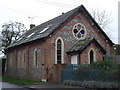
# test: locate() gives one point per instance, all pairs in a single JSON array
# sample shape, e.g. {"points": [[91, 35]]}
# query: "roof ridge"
{"points": [[59, 15], [55, 24]]}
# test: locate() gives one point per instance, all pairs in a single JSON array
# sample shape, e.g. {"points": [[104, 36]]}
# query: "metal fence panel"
{"points": [[89, 75]]}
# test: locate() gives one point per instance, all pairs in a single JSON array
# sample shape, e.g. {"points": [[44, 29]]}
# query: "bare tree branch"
{"points": [[103, 18]]}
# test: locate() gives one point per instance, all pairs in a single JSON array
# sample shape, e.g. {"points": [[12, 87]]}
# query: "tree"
{"points": [[103, 18], [11, 31]]}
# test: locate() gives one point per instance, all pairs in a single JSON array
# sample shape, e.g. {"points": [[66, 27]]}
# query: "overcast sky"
{"points": [[40, 11]]}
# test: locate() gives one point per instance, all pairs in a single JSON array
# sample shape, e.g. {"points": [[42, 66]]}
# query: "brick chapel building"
{"points": [[71, 38]]}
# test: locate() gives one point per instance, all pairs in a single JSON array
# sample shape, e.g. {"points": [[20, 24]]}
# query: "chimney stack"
{"points": [[32, 25], [63, 13]]}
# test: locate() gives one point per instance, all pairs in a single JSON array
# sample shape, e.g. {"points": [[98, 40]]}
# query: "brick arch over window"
{"points": [[59, 51]]}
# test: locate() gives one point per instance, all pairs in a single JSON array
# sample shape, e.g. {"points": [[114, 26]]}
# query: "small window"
{"points": [[23, 58], [11, 60], [35, 57], [19, 62], [79, 31]]}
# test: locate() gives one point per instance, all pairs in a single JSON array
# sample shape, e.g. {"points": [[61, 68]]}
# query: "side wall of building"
{"points": [[21, 63]]}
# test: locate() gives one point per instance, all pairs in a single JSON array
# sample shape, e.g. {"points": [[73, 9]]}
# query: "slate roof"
{"points": [[82, 44], [44, 30]]}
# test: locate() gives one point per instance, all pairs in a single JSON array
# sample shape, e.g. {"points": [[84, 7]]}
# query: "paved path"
{"points": [[9, 86], [48, 85]]}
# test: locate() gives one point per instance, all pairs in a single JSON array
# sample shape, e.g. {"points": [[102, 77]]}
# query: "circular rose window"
{"points": [[79, 31]]}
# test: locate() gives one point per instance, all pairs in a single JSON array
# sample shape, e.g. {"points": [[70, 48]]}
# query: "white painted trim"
{"points": [[84, 29], [35, 50], [94, 54], [62, 61]]}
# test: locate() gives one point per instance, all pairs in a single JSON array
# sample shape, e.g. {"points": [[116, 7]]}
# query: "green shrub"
{"points": [[84, 67], [105, 65]]}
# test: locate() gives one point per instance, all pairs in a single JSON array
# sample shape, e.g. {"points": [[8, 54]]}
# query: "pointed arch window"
{"points": [[59, 51], [23, 58], [35, 57], [91, 56]]}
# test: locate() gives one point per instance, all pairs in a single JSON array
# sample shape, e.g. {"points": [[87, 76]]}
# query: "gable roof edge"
{"points": [[96, 24], [80, 50]]}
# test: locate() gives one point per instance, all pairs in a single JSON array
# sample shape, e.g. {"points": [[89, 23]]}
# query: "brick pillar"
{"points": [[57, 72]]}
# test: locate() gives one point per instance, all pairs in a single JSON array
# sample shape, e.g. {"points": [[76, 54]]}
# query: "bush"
{"points": [[105, 65], [91, 84]]}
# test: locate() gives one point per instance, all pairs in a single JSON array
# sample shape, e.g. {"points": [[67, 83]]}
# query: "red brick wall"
{"points": [[47, 48], [57, 72]]}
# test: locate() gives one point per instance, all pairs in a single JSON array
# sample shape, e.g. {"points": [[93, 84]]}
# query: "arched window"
{"points": [[59, 51], [23, 58], [91, 56], [35, 57]]}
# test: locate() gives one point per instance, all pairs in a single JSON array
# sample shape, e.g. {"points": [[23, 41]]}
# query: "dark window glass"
{"points": [[79, 35], [75, 30], [24, 56], [91, 56], [79, 27], [82, 31]]}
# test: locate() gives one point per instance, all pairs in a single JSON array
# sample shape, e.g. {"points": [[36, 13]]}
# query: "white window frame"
{"points": [[89, 55], [79, 31], [62, 55]]}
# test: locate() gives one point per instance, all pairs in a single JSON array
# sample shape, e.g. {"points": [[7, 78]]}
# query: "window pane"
{"points": [[59, 51], [35, 57], [59, 62], [59, 58]]}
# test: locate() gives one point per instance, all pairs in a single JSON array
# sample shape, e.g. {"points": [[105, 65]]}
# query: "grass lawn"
{"points": [[19, 81]]}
